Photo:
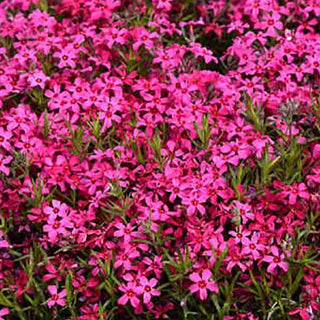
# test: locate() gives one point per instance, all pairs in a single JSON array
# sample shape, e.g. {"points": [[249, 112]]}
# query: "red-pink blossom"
{"points": [[202, 283]]}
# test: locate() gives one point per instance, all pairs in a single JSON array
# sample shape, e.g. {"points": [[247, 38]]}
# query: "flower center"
{"points": [[56, 225], [202, 284]]}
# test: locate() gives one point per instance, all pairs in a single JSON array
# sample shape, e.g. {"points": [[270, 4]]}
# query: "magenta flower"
{"points": [[275, 260], [143, 37], [271, 23], [37, 78], [56, 298], [3, 162], [131, 293], [67, 57], [241, 235], [252, 246], [127, 154], [57, 209], [56, 227], [295, 191], [114, 36], [182, 89], [203, 283], [244, 210], [53, 273], [91, 312], [3, 243], [5, 139], [194, 203], [154, 266], [125, 232], [304, 313], [200, 51], [4, 312], [148, 288], [177, 189], [169, 59], [234, 258], [125, 258]]}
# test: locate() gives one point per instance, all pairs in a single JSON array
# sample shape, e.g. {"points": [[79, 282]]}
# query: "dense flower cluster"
{"points": [[159, 159]]}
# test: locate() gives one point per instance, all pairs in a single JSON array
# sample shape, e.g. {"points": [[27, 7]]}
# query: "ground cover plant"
{"points": [[159, 159]]}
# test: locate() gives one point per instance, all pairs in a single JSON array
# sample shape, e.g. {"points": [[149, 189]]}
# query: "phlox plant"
{"points": [[159, 159]]}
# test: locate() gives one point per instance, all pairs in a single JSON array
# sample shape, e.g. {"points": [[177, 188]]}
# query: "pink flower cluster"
{"points": [[159, 159]]}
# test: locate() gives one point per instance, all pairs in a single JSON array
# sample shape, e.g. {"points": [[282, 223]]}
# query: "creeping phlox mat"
{"points": [[159, 159]]}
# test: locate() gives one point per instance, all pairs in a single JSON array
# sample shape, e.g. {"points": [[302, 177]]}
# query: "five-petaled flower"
{"points": [[56, 298], [148, 288], [131, 293], [276, 260], [202, 283], [37, 79]]}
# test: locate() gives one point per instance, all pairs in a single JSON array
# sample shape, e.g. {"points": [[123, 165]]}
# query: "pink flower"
{"points": [[56, 298], [27, 143], [131, 293], [177, 189], [4, 139], [297, 190], [143, 37], [200, 51], [4, 312], [202, 283], [56, 227], [148, 288], [125, 231], [125, 258], [271, 23], [252, 246], [4, 161], [67, 57], [164, 4], [240, 235], [275, 260], [154, 265], [234, 259], [53, 273], [91, 312], [315, 177], [109, 116], [169, 59], [244, 210], [3, 243], [316, 151], [181, 89], [303, 313], [57, 209], [194, 203], [250, 86], [114, 35], [37, 78]]}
